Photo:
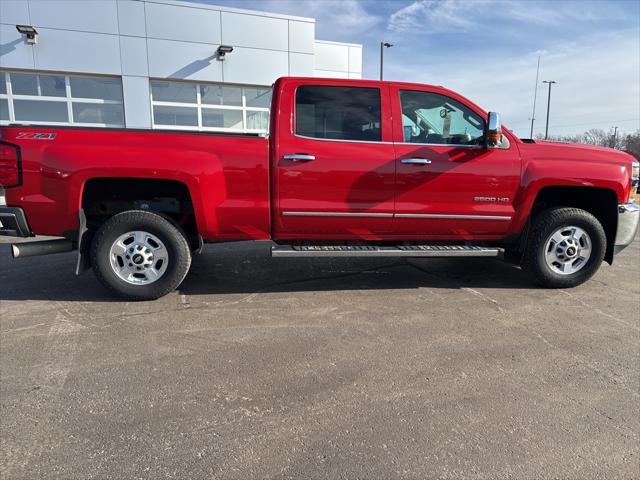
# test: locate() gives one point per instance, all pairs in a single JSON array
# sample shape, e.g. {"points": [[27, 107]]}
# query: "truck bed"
{"points": [[227, 174]]}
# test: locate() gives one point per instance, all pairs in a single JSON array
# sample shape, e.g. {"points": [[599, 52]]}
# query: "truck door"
{"points": [[448, 185], [334, 162]]}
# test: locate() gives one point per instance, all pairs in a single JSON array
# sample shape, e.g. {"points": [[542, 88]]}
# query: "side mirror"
{"points": [[493, 136]]}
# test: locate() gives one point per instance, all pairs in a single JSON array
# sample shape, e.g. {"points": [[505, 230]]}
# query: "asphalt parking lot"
{"points": [[281, 368]]}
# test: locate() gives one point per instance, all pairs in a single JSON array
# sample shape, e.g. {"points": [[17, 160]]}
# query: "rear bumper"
{"points": [[628, 219], [13, 223]]}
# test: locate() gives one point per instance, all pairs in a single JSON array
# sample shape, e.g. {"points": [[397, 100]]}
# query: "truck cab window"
{"points": [[338, 113], [433, 118]]}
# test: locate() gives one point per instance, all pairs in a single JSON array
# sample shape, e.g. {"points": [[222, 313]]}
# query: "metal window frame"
{"points": [[200, 106], [68, 99]]}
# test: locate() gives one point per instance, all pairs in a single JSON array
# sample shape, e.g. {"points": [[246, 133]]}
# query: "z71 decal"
{"points": [[35, 136]]}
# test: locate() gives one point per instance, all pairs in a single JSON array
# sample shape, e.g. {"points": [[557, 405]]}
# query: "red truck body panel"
{"points": [[457, 175], [346, 178], [242, 188], [227, 176], [549, 164]]}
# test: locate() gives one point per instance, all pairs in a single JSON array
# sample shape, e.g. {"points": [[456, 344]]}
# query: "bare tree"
{"points": [[629, 142]]}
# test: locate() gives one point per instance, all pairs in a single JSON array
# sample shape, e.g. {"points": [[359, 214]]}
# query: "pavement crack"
{"points": [[598, 311], [484, 297], [30, 327]]}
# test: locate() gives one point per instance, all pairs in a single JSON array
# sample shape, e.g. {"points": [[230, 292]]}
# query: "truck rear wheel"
{"points": [[140, 255], [565, 248]]}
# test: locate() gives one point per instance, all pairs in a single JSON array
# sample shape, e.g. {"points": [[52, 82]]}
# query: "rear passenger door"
{"points": [[334, 161]]}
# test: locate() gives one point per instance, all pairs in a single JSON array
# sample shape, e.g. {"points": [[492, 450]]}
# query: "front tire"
{"points": [[140, 255], [565, 248]]}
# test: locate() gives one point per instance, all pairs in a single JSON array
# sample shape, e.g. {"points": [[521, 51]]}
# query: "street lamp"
{"points": [[546, 130], [222, 51], [30, 32], [535, 97], [383, 45]]}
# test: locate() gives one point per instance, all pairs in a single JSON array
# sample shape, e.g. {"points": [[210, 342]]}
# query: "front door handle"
{"points": [[415, 161], [299, 157]]}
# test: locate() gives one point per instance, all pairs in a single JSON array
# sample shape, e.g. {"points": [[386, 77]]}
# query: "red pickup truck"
{"points": [[349, 168]]}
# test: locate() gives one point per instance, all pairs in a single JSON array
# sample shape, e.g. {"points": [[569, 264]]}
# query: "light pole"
{"points": [[615, 135], [546, 130], [383, 45], [535, 97]]}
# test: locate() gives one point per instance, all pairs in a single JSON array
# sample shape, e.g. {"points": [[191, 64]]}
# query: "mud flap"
{"points": [[198, 250], [83, 263]]}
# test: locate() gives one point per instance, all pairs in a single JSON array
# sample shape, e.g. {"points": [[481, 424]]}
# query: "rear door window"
{"points": [[338, 113]]}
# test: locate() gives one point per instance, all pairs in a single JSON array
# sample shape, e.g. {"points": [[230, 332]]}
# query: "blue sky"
{"points": [[487, 50]]}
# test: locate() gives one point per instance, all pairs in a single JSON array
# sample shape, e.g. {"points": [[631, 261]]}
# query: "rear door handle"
{"points": [[415, 161], [299, 157]]}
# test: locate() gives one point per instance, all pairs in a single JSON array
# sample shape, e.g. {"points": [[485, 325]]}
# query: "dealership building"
{"points": [[154, 63]]}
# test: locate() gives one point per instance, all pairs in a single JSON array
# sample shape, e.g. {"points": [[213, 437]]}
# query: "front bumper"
{"points": [[13, 223], [628, 219]]}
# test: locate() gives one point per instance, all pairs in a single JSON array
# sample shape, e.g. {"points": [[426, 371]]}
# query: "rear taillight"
{"points": [[9, 165]]}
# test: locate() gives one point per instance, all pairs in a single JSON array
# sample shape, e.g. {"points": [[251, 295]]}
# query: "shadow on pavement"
{"points": [[247, 267]]}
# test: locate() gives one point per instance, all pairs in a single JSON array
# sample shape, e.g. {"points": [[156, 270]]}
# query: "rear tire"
{"points": [[565, 247], [140, 255]]}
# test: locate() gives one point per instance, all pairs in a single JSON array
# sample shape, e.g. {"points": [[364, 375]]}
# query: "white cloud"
{"points": [[432, 16], [438, 16], [528, 12], [598, 83], [349, 16]]}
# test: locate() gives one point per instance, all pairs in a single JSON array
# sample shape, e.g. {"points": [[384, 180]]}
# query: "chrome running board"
{"points": [[384, 251]]}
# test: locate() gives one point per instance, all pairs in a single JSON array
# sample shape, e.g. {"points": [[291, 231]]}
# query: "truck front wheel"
{"points": [[140, 255], [565, 247]]}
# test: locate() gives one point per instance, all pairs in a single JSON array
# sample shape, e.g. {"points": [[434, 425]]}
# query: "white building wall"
{"points": [[142, 39], [337, 60], [136, 93]]}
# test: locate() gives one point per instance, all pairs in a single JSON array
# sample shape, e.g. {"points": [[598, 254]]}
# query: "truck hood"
{"points": [[575, 151]]}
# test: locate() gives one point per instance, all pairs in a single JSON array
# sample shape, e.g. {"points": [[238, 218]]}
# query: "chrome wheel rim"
{"points": [[568, 250], [138, 258]]}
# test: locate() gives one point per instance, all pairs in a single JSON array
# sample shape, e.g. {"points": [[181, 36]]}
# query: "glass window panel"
{"points": [[3, 84], [258, 97], [173, 92], [52, 86], [111, 114], [222, 118], [221, 95], [257, 120], [24, 84], [40, 111], [432, 118], [102, 88], [341, 113], [182, 116], [4, 109]]}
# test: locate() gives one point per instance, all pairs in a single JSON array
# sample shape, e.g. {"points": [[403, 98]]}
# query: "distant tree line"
{"points": [[628, 142]]}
